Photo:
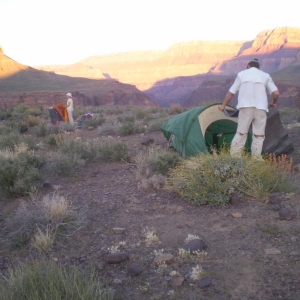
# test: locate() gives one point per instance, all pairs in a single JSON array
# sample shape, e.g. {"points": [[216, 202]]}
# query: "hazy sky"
{"points": [[41, 32]]}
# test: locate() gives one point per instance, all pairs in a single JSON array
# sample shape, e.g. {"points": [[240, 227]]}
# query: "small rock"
{"points": [[285, 214], [163, 258], [196, 245], [237, 215], [117, 281], [46, 184], [116, 258], [293, 238], [134, 270], [118, 230], [275, 198], [147, 141], [176, 281], [234, 198], [55, 259], [205, 282], [272, 251]]}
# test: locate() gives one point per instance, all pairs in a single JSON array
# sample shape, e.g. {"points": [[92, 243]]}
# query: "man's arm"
{"points": [[275, 96], [227, 99]]}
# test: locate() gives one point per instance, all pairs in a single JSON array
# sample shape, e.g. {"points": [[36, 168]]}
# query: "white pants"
{"points": [[258, 119], [70, 114]]}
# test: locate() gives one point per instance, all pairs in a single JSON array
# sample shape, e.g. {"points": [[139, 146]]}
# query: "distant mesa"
{"points": [[187, 73]]}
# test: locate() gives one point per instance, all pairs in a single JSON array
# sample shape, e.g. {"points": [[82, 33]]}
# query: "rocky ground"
{"points": [[252, 247]]}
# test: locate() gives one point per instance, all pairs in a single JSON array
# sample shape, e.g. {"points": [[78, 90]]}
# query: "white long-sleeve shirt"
{"points": [[253, 86]]}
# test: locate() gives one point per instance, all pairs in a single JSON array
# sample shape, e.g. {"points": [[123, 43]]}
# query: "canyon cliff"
{"points": [[188, 73], [23, 84]]}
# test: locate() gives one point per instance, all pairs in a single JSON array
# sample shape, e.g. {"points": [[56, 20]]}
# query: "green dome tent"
{"points": [[195, 130]]}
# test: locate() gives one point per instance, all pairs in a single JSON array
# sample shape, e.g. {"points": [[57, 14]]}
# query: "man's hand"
{"points": [[221, 107], [272, 104]]}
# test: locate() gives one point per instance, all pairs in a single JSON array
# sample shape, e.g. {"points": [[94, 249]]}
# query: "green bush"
{"points": [[94, 122], [212, 179], [8, 141], [19, 175], [129, 128], [110, 151], [162, 160], [44, 280], [5, 114]]}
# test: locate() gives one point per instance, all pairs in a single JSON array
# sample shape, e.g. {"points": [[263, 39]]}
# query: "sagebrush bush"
{"points": [[212, 178], [8, 141], [5, 114], [94, 122], [130, 127], [162, 160], [44, 280], [110, 151], [19, 175]]}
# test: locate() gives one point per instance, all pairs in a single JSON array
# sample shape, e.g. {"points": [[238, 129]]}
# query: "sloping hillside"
{"points": [[19, 83]]}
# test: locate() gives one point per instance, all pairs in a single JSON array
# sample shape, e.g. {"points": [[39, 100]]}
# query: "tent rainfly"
{"points": [[197, 129]]}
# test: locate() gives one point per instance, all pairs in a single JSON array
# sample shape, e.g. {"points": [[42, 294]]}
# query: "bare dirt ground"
{"points": [[252, 256]]}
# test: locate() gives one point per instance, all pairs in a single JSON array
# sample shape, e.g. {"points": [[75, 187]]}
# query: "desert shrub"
{"points": [[66, 164], [161, 160], [5, 114], [33, 121], [140, 113], [46, 280], [212, 178], [19, 175], [110, 151], [50, 140], [126, 118], [41, 129], [22, 108], [177, 108], [155, 124], [8, 141], [22, 127], [94, 122], [129, 128], [108, 128]]}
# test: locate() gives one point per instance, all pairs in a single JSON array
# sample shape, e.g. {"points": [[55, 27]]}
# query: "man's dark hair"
{"points": [[254, 63]]}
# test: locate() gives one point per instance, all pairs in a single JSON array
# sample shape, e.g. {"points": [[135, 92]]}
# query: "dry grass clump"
{"points": [[212, 178], [153, 165], [43, 219], [46, 280]]}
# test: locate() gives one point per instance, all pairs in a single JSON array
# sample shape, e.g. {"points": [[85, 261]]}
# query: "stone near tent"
{"points": [[196, 245], [176, 281], [285, 214], [116, 258], [134, 270], [147, 141], [205, 282]]}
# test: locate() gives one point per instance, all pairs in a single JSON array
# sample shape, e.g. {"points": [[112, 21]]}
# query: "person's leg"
{"points": [[240, 138], [258, 129], [70, 114]]}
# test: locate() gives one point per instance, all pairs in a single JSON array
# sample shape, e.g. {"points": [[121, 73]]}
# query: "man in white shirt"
{"points": [[70, 107], [253, 86]]}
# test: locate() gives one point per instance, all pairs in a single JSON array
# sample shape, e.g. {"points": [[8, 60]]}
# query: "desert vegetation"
{"points": [[33, 150]]}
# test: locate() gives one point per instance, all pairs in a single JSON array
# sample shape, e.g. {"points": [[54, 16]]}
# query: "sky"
{"points": [[51, 32]]}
